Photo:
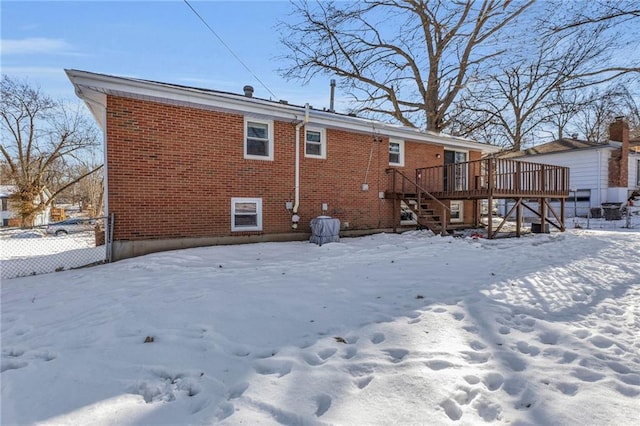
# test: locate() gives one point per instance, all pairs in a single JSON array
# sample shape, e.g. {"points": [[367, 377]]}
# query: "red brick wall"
{"points": [[619, 160], [173, 171]]}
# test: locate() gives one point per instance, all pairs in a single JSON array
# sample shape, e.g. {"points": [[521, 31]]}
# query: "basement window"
{"points": [[246, 214], [258, 139], [315, 145], [396, 152]]}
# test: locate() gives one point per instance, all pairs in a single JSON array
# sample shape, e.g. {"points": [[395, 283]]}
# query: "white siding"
{"points": [[588, 170]]}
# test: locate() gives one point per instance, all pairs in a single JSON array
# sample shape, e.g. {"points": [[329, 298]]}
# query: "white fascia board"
{"points": [[94, 87]]}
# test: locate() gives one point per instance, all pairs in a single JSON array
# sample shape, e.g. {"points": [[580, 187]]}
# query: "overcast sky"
{"points": [[154, 40]]}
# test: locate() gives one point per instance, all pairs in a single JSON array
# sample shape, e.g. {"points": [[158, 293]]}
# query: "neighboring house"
{"points": [[6, 213], [9, 217], [600, 173], [188, 167]]}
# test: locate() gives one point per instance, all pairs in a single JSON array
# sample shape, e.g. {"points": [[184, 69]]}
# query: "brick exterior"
{"points": [[172, 171], [619, 161]]}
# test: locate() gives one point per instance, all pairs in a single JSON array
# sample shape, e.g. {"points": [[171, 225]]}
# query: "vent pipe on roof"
{"points": [[248, 91], [333, 92]]}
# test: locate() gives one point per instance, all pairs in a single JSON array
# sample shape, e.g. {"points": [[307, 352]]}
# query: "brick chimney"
{"points": [[619, 161]]}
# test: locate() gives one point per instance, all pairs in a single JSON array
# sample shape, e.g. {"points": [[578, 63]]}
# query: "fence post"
{"points": [[109, 237]]}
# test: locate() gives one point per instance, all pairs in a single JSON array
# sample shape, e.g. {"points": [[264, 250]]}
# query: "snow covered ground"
{"points": [[385, 329], [30, 252]]}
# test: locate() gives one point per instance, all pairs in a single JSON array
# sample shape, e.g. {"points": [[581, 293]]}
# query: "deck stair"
{"points": [[430, 213], [425, 213]]}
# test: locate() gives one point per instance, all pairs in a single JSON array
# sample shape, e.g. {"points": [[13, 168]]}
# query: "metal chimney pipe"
{"points": [[248, 91], [333, 92]]}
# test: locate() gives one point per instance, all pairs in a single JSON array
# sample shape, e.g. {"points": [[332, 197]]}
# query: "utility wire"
{"points": [[229, 49]]}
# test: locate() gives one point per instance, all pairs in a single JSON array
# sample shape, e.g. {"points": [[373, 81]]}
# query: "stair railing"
{"points": [[419, 191]]}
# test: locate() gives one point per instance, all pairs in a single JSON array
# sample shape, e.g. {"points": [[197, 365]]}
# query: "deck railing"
{"points": [[494, 177]]}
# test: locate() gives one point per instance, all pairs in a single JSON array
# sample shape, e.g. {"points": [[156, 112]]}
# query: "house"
{"points": [[601, 173], [8, 216], [188, 167]]}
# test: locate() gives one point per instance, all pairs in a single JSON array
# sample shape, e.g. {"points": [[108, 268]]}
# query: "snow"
{"points": [[34, 252], [384, 329]]}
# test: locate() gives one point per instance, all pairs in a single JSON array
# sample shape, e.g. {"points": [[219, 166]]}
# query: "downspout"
{"points": [[105, 178], [295, 218]]}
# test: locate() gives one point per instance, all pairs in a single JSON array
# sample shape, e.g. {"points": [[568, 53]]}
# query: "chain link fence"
{"points": [[608, 219], [70, 244]]}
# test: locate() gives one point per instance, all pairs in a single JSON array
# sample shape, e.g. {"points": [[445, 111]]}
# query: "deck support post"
{"points": [[518, 217]]}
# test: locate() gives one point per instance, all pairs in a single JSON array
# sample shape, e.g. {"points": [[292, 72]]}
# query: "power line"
{"points": [[229, 49]]}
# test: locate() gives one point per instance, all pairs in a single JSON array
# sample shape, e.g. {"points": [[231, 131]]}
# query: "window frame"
{"points": [[270, 144], [323, 142], [459, 208], [238, 200], [400, 144]]}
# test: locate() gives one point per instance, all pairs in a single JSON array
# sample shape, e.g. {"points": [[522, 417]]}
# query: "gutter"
{"points": [[295, 218]]}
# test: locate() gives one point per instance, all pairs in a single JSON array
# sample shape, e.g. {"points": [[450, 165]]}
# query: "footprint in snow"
{"points": [[224, 410], [627, 391], [363, 382], [281, 368], [237, 390], [601, 342], [378, 338], [514, 362], [350, 352], [451, 409], [618, 368], [438, 364], [477, 346], [587, 375], [472, 379], [527, 400], [12, 365], [493, 381], [525, 348], [324, 403], [327, 353], [476, 357], [631, 379], [13, 353], [458, 316], [440, 310], [582, 334], [464, 396], [396, 355], [569, 389], [489, 411]]}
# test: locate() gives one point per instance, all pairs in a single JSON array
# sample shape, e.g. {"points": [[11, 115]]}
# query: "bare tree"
{"points": [[601, 108], [545, 85], [40, 138], [594, 12], [401, 59]]}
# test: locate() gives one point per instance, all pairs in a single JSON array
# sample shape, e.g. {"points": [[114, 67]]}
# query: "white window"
{"points": [[456, 211], [396, 152], [315, 144], [246, 214], [258, 139]]}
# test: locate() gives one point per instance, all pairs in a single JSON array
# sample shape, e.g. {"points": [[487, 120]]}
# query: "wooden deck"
{"points": [[430, 189]]}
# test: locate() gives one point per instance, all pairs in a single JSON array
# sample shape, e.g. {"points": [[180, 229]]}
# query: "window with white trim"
{"points": [[396, 152], [315, 143], [258, 139], [246, 214]]}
